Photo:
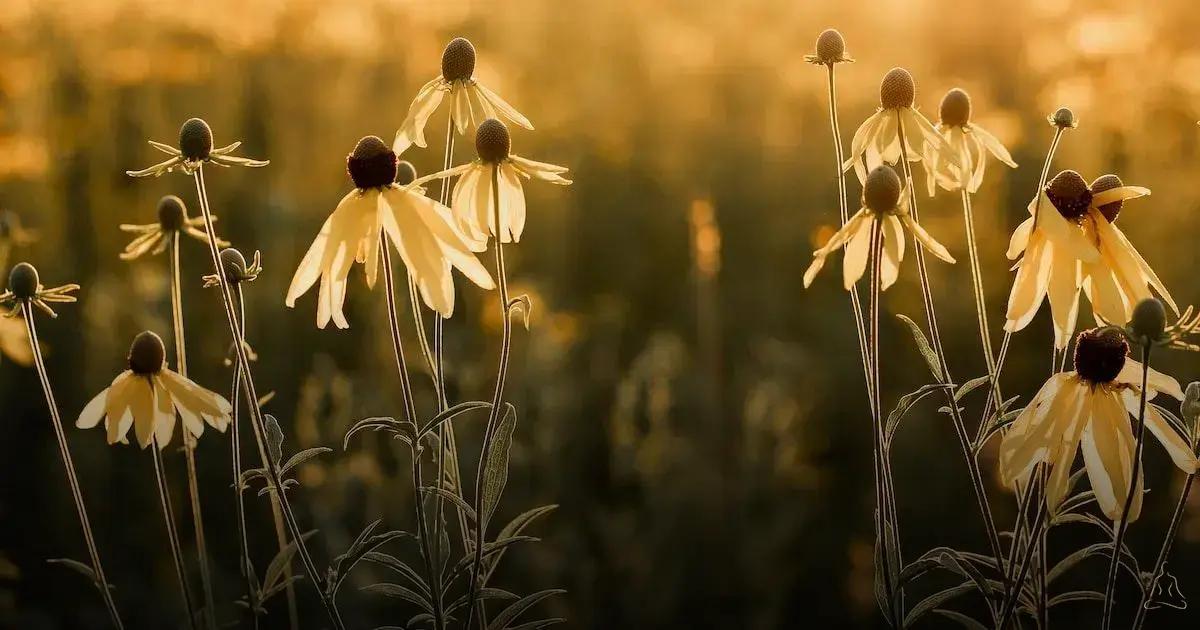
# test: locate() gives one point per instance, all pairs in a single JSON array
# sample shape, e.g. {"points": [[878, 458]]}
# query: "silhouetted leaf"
{"points": [[1075, 596], [931, 358], [365, 542], [451, 413], [538, 625], [303, 456], [903, 406], [970, 386], [274, 439], [963, 620], [400, 592], [935, 601], [495, 473], [278, 566], [453, 498], [77, 566], [401, 567], [523, 304], [514, 528], [515, 609], [484, 593], [391, 425]]}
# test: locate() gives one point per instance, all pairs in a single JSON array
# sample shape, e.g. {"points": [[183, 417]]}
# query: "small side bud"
{"points": [[405, 173], [1063, 118], [1149, 321]]}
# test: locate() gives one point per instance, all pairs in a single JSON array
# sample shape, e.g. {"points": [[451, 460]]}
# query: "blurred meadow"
{"points": [[697, 416]]}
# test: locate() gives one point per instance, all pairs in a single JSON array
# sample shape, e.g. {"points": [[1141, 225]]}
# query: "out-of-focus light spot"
{"points": [[706, 238], [821, 235]]}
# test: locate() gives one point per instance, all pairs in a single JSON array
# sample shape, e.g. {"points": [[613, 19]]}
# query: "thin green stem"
{"points": [[164, 498], [243, 362], [1014, 593], [1163, 553], [985, 336], [1122, 526], [411, 414], [189, 440], [64, 452], [935, 340], [497, 397]]}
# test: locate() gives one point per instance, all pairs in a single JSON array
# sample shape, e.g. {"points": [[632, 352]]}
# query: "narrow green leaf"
{"points": [[931, 358], [970, 386], [77, 566], [400, 592], [514, 610], [451, 413], [935, 601], [303, 456], [1075, 596], [274, 439], [280, 562], [391, 425], [963, 620], [514, 528], [903, 406], [539, 624], [453, 498], [484, 593], [401, 567], [495, 473]]}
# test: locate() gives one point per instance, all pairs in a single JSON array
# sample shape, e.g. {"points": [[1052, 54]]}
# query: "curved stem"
{"points": [[189, 440], [935, 340], [64, 452], [1114, 561], [243, 363], [411, 414], [497, 397], [1014, 593], [1163, 553], [985, 336], [164, 498]]}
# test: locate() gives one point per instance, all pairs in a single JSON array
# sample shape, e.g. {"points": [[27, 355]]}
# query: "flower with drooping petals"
{"points": [[195, 149], [154, 238], [969, 142]]}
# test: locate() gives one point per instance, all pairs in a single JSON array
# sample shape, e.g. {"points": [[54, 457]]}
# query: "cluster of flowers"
{"points": [[388, 205]]}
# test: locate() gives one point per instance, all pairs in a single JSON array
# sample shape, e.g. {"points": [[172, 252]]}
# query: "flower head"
{"points": [[429, 242], [470, 102], [236, 269], [148, 395], [25, 289], [1088, 410], [195, 149], [884, 203], [969, 142], [830, 49], [153, 238], [1120, 278], [472, 195], [878, 139], [1052, 248], [1063, 118]]}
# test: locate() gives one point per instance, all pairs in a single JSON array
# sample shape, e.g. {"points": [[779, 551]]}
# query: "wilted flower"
{"points": [[883, 201], [25, 287], [1053, 250], [470, 101], [1088, 409], [472, 205], [830, 49], [172, 220], [419, 227], [878, 138], [236, 269], [1120, 278], [195, 148], [969, 142], [148, 395]]}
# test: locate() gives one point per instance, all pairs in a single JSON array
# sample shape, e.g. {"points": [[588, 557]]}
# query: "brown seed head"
{"points": [[171, 213], [956, 108], [831, 47], [1149, 321], [1069, 194], [234, 264], [23, 281], [1063, 118], [881, 191], [458, 60], [372, 164], [146, 354], [1100, 355], [1108, 182], [897, 89], [405, 173], [492, 142], [195, 140]]}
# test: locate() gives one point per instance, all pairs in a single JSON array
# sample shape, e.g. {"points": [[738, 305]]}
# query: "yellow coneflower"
{"points": [[25, 287], [878, 138], [885, 200], [830, 49], [470, 102], [1088, 409], [1054, 246], [195, 148], [147, 397], [472, 205], [419, 227], [969, 143], [1120, 278], [155, 237]]}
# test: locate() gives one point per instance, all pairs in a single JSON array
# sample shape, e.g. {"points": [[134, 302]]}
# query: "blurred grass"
{"points": [[697, 415]]}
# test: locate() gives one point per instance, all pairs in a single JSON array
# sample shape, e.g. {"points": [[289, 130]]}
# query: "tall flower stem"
{"points": [[985, 335], [844, 214], [1114, 561], [497, 397], [411, 413], [935, 339], [885, 518], [1163, 553], [189, 440], [1039, 519], [164, 498], [89, 538], [243, 364]]}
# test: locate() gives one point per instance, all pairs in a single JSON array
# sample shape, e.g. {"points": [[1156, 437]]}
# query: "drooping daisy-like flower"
{"points": [[25, 287], [155, 237], [472, 204], [1120, 278], [195, 149], [420, 228], [470, 102], [1088, 409], [1053, 246], [147, 397], [970, 144], [878, 138], [830, 49], [885, 201]]}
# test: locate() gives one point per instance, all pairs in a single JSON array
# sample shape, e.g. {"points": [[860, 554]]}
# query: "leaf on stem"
{"points": [[931, 357], [495, 473], [507, 616]]}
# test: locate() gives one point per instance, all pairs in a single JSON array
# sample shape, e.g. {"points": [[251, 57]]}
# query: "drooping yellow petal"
{"points": [[142, 403], [1032, 435], [164, 414], [412, 130], [1063, 291], [1107, 446], [858, 252], [1019, 239], [502, 106], [1176, 445], [1030, 285], [893, 251], [1120, 193], [925, 240]]}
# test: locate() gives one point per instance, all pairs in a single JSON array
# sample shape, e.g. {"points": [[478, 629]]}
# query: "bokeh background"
{"points": [[698, 417]]}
